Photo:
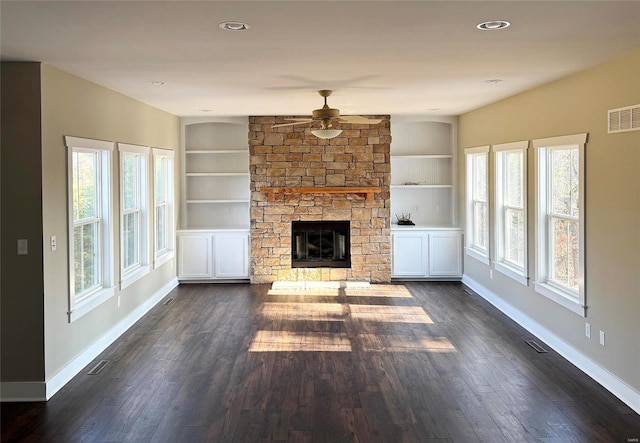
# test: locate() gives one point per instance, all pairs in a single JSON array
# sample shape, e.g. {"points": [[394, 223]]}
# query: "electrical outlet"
{"points": [[491, 273], [53, 243], [118, 301], [414, 208], [23, 246], [587, 330], [602, 338]]}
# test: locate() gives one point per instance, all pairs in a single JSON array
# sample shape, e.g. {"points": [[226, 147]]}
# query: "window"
{"points": [[90, 224], [134, 219], [478, 203], [164, 239], [560, 254], [511, 210]]}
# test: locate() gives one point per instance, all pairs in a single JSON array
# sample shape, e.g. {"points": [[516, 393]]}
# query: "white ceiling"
{"points": [[380, 57]]}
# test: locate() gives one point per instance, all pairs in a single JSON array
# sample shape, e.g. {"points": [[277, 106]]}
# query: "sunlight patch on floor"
{"points": [[282, 341], [392, 291], [397, 343], [390, 314], [304, 311]]}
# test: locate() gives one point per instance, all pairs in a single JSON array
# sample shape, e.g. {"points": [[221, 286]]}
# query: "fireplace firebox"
{"points": [[320, 244]]}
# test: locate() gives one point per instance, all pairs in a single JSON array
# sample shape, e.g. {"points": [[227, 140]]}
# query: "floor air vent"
{"points": [[624, 119], [536, 346], [99, 367], [168, 302]]}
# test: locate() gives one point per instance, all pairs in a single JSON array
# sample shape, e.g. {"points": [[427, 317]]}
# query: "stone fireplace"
{"points": [[290, 158]]}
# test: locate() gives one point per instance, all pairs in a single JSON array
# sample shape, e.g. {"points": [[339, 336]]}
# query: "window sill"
{"points": [[512, 273], [480, 256], [164, 258], [560, 297], [133, 276], [90, 303]]}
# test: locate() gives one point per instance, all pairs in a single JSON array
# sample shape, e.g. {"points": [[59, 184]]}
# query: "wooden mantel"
{"points": [[366, 192]]}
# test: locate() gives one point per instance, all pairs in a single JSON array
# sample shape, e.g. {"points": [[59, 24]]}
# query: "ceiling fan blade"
{"points": [[291, 124], [358, 119]]}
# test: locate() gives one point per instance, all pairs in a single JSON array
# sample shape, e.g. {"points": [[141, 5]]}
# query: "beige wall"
{"points": [[22, 346], [578, 104], [73, 106]]}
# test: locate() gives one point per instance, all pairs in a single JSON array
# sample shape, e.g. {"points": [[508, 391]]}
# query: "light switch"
{"points": [[23, 246]]}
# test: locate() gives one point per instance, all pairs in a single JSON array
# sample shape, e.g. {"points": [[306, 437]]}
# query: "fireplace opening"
{"points": [[320, 244]]}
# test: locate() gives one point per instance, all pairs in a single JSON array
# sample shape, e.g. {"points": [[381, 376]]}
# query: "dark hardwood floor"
{"points": [[413, 362]]}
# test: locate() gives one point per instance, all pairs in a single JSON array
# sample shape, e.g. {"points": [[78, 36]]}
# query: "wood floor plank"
{"points": [[407, 362]]}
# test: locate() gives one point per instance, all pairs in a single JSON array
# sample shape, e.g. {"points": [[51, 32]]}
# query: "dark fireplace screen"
{"points": [[320, 244]]}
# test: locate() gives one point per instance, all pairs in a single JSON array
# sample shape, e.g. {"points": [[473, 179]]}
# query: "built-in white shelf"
{"points": [[429, 156], [217, 174], [218, 151], [244, 200], [423, 170], [421, 186], [216, 189]]}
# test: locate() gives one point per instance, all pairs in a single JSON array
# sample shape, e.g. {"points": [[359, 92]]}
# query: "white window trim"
{"points": [[170, 251], [107, 290], [500, 264], [564, 298], [470, 249], [130, 276]]}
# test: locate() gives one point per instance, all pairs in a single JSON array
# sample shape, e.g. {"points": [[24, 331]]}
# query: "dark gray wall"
{"points": [[22, 282]]}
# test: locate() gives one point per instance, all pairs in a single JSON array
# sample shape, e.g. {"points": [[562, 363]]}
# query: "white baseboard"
{"points": [[42, 391], [612, 383]]}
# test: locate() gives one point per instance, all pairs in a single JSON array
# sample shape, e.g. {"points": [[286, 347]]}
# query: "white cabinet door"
{"points": [[195, 256], [445, 254], [409, 254], [231, 255]]}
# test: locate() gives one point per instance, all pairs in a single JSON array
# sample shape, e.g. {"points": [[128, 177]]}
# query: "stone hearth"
{"points": [[291, 156]]}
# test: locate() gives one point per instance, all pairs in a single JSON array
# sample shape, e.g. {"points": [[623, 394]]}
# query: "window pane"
{"points": [[85, 185], [565, 253], [480, 228], [159, 182], [86, 257], [564, 181], [161, 243], [130, 240], [514, 195], [129, 181], [480, 177], [514, 236]]}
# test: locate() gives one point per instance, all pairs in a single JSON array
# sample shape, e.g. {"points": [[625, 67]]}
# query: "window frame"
{"points": [[501, 263], [161, 257], [131, 274], [82, 303], [575, 301], [472, 248]]}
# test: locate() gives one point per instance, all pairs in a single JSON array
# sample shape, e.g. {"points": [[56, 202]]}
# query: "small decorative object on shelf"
{"points": [[405, 219]]}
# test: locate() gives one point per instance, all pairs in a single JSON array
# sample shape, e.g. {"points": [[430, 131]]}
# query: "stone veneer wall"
{"points": [[291, 156]]}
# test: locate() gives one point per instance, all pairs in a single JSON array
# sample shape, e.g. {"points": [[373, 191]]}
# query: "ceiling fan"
{"points": [[326, 115]]}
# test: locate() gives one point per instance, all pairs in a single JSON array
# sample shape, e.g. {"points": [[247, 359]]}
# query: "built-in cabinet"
{"points": [[213, 242], [422, 254], [213, 255], [423, 184]]}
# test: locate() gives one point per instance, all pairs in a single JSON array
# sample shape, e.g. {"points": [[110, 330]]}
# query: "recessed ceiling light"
{"points": [[204, 110], [493, 25], [434, 109], [492, 81], [234, 26], [156, 83]]}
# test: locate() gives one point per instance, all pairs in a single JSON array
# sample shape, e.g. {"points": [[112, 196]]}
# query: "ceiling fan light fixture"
{"points": [[234, 26], [493, 25], [326, 133]]}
